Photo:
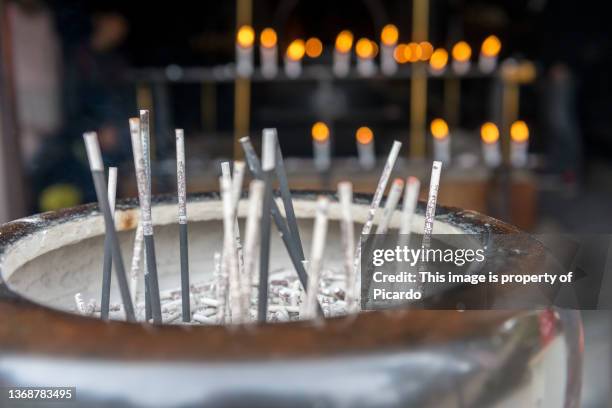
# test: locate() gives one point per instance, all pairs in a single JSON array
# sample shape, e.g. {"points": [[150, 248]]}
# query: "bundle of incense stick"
{"points": [[242, 288]]}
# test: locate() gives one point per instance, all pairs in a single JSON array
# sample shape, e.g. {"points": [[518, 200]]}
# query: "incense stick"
{"points": [[281, 174], [319, 235], [231, 255], [430, 212], [390, 206], [290, 245], [97, 170], [411, 196], [256, 191], [135, 266], [221, 278], [268, 151], [237, 180], [108, 257], [144, 199], [145, 139], [345, 196], [182, 220], [378, 194]]}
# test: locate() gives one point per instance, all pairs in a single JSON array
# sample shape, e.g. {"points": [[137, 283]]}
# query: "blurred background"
{"points": [[511, 95]]}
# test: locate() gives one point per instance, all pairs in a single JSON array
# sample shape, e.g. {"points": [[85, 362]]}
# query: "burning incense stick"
{"points": [[281, 174], [411, 196], [256, 190], [268, 162], [97, 170], [108, 257], [147, 224], [345, 195], [290, 244], [230, 251], [430, 212], [319, 235], [378, 194], [182, 220], [237, 180], [145, 139], [221, 278], [390, 206]]}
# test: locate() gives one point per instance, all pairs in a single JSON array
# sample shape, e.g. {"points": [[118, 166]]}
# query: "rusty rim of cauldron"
{"points": [[27, 327]]}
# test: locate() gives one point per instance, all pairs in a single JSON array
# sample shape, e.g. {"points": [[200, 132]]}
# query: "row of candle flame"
{"points": [[366, 49], [489, 133]]}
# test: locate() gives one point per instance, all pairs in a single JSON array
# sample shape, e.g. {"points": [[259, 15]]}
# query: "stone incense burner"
{"points": [[398, 358]]}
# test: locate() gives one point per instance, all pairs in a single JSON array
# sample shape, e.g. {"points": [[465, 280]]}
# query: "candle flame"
{"points": [[462, 51], [296, 50], [314, 47], [268, 38], [439, 129], [245, 37], [399, 53], [344, 41], [519, 132], [320, 132], [489, 133], [364, 135], [413, 52], [491, 46], [438, 59], [389, 35], [426, 50], [364, 48]]}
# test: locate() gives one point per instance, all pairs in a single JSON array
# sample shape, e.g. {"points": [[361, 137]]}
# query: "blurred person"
{"points": [[36, 61]]}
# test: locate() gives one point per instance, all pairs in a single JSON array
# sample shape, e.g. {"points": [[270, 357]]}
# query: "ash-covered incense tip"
{"points": [[398, 182], [268, 151], [143, 112], [244, 139], [437, 165], [179, 133], [134, 125], [413, 180], [226, 169], [92, 146]]}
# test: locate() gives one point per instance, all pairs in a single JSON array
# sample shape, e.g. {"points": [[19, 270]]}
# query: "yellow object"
{"points": [[439, 128], [491, 46], [364, 135], [400, 53], [489, 133], [246, 36], [296, 50], [438, 59], [268, 38], [344, 41], [414, 52], [58, 196], [462, 51], [320, 132], [314, 47], [389, 35], [364, 48], [519, 132]]}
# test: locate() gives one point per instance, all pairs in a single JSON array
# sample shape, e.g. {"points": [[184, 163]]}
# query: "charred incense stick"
{"points": [[182, 220], [230, 250], [345, 196], [147, 224], [319, 235], [251, 233], [145, 139], [378, 194], [390, 206], [411, 196], [108, 255], [290, 245], [97, 171], [281, 174], [268, 151]]}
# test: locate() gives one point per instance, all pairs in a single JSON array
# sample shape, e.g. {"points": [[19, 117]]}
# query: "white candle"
{"points": [[293, 58], [461, 58], [268, 53], [388, 41], [321, 146], [342, 54], [245, 39], [519, 143], [491, 154], [441, 141], [365, 50], [489, 51], [365, 147]]}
